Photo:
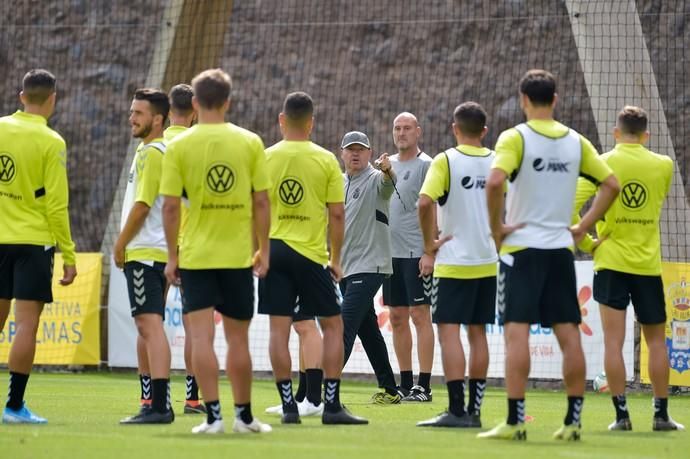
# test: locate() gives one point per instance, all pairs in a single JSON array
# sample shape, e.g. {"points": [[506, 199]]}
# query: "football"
{"points": [[600, 383]]}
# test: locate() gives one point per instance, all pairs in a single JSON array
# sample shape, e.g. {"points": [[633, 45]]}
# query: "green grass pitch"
{"points": [[83, 411]]}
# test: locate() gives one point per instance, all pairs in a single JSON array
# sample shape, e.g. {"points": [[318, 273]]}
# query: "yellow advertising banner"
{"points": [[69, 330], [677, 294]]}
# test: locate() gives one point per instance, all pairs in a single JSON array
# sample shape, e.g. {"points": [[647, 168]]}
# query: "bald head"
{"points": [[406, 134], [407, 116]]}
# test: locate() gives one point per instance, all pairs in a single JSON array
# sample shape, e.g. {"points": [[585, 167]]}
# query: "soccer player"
{"points": [[464, 283], [406, 292], [33, 205], [306, 203], [536, 281], [222, 170], [627, 262], [182, 116], [366, 255], [140, 250], [308, 394]]}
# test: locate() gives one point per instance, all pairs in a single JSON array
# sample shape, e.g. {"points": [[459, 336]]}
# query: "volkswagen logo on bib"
{"points": [[291, 192], [220, 178], [634, 195], [7, 169]]}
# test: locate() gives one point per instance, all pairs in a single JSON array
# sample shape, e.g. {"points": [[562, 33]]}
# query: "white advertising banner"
{"points": [[546, 356]]}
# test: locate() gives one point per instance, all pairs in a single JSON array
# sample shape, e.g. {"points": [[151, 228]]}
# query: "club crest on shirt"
{"points": [[355, 195], [407, 175]]}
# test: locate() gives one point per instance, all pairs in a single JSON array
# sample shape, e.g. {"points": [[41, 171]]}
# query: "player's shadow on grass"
{"points": [[662, 436]]}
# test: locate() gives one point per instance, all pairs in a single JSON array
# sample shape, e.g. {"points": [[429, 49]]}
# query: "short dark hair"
{"points": [[632, 120], [212, 88], [160, 105], [470, 118], [180, 97], [539, 86], [298, 107], [38, 85]]}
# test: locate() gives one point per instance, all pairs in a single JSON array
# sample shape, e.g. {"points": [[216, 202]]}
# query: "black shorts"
{"points": [[538, 286], [146, 288], [26, 272], [293, 276], [405, 287], [617, 289], [464, 301], [300, 317], [230, 291]]}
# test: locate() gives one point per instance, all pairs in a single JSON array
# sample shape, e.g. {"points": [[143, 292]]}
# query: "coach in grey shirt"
{"points": [[366, 255], [406, 292]]}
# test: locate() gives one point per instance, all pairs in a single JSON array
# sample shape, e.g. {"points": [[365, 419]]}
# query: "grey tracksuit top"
{"points": [[367, 245]]}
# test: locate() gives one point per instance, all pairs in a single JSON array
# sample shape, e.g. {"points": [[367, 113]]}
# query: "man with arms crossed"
{"points": [[182, 116], [222, 169], [406, 292], [306, 203], [627, 262], [366, 255], [33, 205], [536, 281], [464, 284], [140, 250]]}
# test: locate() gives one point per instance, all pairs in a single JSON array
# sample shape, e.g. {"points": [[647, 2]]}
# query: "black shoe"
{"points": [[194, 409], [342, 417], [621, 424], [290, 418], [418, 394], [663, 425], [473, 420], [144, 409], [403, 392], [446, 419], [151, 417]]}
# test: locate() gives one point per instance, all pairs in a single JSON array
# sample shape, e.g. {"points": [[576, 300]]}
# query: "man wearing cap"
{"points": [[366, 258]]}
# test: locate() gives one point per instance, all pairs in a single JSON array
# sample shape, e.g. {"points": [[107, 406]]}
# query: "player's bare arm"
{"points": [[336, 234], [262, 226], [608, 191], [135, 220], [427, 222], [171, 226]]}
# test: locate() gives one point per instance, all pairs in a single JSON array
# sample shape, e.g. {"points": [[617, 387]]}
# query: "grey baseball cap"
{"points": [[355, 137]]}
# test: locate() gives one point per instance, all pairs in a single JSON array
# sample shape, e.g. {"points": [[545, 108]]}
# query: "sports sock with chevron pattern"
{"points": [[213, 412], [516, 411], [661, 408], [243, 411], [15, 395], [621, 405], [331, 391], [574, 410], [191, 389], [477, 389], [285, 391], [146, 392]]}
